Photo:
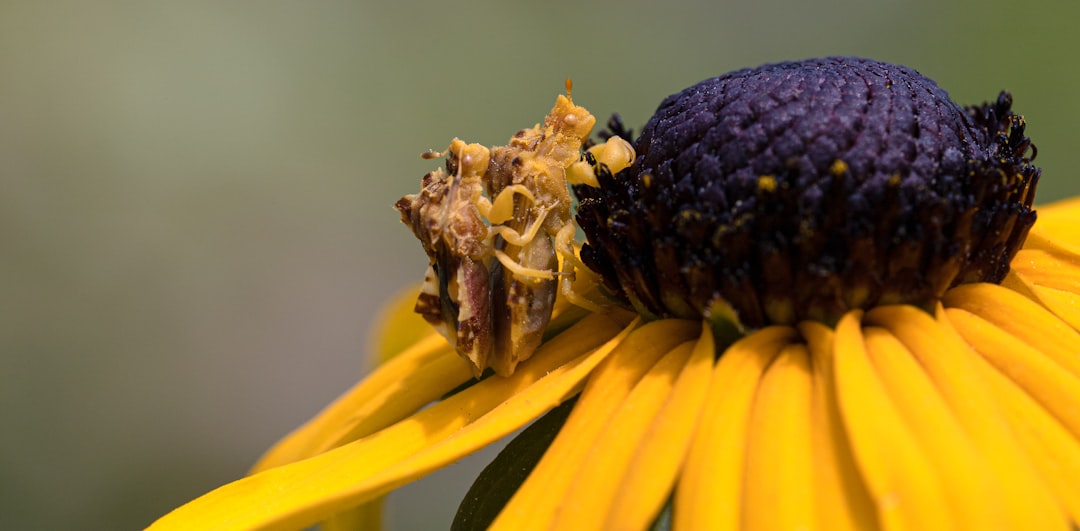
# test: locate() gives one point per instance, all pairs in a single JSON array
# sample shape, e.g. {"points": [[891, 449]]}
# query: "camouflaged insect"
{"points": [[494, 224]]}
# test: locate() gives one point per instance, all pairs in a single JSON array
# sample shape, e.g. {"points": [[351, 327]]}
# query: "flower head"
{"points": [[837, 323], [803, 190]]}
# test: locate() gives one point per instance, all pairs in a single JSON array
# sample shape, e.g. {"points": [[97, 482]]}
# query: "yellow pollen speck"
{"points": [[838, 167], [766, 183], [894, 180], [646, 180], [690, 215]]}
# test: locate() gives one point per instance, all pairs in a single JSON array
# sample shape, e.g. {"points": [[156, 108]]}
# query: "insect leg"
{"points": [[513, 237], [521, 271], [564, 245], [501, 208]]}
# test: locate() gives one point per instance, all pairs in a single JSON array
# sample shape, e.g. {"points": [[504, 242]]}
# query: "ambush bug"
{"points": [[494, 224]]}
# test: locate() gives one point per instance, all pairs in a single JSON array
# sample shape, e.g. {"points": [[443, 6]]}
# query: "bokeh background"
{"points": [[195, 197]]}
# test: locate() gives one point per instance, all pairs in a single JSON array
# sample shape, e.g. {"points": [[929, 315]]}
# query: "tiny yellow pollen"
{"points": [[690, 215], [894, 180], [838, 167], [766, 183], [646, 180]]}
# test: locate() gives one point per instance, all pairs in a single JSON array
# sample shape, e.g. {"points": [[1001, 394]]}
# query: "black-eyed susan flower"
{"points": [[826, 304]]}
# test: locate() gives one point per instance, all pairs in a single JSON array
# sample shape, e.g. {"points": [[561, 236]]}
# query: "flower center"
{"points": [[802, 190]]}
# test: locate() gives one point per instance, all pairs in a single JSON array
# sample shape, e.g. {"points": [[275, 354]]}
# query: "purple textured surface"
{"points": [[802, 190]]}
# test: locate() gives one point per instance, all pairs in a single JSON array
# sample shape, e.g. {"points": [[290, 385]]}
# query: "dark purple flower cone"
{"points": [[802, 190]]}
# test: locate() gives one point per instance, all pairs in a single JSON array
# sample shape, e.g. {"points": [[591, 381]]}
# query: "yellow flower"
{"points": [[957, 411], [896, 419]]}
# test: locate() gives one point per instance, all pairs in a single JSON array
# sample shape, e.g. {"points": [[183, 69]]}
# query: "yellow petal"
{"points": [[535, 503], [902, 481], [1066, 304], [595, 482], [1048, 269], [1047, 382], [1021, 318], [517, 410], [778, 453], [968, 486], [709, 492], [1062, 210], [1026, 500], [1054, 452], [301, 493], [398, 326], [429, 370], [662, 449], [1056, 227], [398, 388], [367, 516], [1053, 278], [840, 494]]}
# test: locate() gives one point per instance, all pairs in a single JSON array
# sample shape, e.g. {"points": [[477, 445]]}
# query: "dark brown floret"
{"points": [[802, 190]]}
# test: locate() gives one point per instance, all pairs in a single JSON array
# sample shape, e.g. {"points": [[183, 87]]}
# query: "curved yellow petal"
{"points": [[429, 369], [398, 326], [841, 498], [661, 452], [709, 492], [903, 483], [398, 388], [947, 360], [1047, 382], [778, 456], [1054, 452], [534, 505], [967, 485], [1066, 304], [1022, 318], [1013, 282], [367, 516], [594, 484], [397, 329], [301, 493], [517, 410], [1054, 280], [1063, 209], [1044, 268], [1056, 227]]}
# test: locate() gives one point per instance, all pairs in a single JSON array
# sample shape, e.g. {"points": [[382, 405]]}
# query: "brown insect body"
{"points": [[493, 273], [445, 217]]}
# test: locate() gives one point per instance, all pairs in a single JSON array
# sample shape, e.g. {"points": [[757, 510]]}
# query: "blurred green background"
{"points": [[195, 196]]}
